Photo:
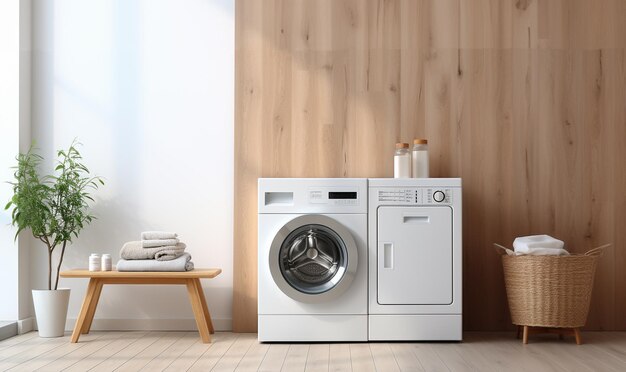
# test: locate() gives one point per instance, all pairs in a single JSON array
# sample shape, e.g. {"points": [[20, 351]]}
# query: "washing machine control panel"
{"points": [[404, 196], [334, 196]]}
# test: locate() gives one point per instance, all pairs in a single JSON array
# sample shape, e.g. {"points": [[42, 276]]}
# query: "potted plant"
{"points": [[55, 209]]}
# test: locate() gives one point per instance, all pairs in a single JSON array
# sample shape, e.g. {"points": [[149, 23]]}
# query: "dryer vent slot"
{"points": [[279, 198]]}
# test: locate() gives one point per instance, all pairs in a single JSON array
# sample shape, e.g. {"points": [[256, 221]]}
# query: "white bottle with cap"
{"points": [[106, 262], [420, 158], [94, 262], [402, 161]]}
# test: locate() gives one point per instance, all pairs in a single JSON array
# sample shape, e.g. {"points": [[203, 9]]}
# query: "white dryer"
{"points": [[312, 256], [415, 246]]}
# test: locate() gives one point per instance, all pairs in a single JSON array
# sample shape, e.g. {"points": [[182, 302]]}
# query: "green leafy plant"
{"points": [[54, 207]]}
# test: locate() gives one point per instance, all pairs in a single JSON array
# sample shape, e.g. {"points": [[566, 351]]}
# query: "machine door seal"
{"points": [[313, 258]]}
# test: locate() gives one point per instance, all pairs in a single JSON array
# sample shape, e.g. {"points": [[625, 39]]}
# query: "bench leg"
{"points": [[205, 308], [525, 336], [82, 316], [579, 339], [92, 308], [198, 312]]}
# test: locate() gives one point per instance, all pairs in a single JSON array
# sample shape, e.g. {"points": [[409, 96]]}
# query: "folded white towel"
{"points": [[134, 251], [159, 243], [182, 263], [525, 244], [539, 245], [544, 252], [535, 251], [152, 235]]}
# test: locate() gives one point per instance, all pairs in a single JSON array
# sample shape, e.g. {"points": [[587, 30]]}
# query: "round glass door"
{"points": [[313, 258]]}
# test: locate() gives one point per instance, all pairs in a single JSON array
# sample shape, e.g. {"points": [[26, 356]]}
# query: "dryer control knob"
{"points": [[439, 196]]}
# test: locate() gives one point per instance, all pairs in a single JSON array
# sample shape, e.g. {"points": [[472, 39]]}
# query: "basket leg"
{"points": [[579, 339], [525, 339]]}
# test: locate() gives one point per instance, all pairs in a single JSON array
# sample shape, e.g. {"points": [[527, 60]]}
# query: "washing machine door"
{"points": [[313, 258]]}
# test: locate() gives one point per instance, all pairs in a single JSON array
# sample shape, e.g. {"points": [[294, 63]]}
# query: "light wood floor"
{"points": [[182, 351]]}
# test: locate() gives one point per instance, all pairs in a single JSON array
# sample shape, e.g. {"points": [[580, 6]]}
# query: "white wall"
{"points": [[9, 145], [15, 73], [148, 88]]}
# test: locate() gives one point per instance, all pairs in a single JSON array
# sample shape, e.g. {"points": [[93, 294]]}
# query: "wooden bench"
{"points": [[97, 279]]}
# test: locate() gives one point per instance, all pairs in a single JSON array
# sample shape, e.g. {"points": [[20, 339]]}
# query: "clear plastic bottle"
{"points": [[420, 158], [402, 161]]}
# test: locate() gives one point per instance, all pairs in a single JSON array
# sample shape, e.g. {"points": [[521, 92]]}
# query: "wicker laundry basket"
{"points": [[550, 291]]}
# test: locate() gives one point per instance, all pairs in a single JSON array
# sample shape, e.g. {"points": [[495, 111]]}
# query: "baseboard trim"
{"points": [[151, 324], [25, 325], [7, 329]]}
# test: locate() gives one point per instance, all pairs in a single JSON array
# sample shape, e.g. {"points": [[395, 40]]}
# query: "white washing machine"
{"points": [[312, 253], [415, 249]]}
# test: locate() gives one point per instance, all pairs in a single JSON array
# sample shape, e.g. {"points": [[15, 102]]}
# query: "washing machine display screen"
{"points": [[313, 259], [341, 195]]}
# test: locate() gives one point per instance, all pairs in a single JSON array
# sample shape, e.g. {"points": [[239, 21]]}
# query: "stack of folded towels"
{"points": [[539, 245], [156, 251]]}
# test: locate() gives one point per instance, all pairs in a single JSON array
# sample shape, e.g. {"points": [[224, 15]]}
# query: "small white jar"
{"points": [[419, 161], [94, 262], [106, 262], [402, 161]]}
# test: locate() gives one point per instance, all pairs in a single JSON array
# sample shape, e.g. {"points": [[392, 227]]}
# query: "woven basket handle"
{"points": [[502, 250], [597, 251]]}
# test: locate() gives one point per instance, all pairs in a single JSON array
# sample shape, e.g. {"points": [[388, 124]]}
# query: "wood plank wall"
{"points": [[523, 99]]}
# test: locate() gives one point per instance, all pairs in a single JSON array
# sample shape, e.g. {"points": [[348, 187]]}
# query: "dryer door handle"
{"points": [[385, 255], [415, 219]]}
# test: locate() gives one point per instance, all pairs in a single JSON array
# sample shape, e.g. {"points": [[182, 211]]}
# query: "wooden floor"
{"points": [[183, 351]]}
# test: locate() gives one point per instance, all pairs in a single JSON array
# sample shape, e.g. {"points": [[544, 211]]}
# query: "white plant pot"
{"points": [[51, 311]]}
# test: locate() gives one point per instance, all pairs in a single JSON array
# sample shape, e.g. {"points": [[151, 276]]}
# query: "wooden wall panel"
{"points": [[523, 99]]}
